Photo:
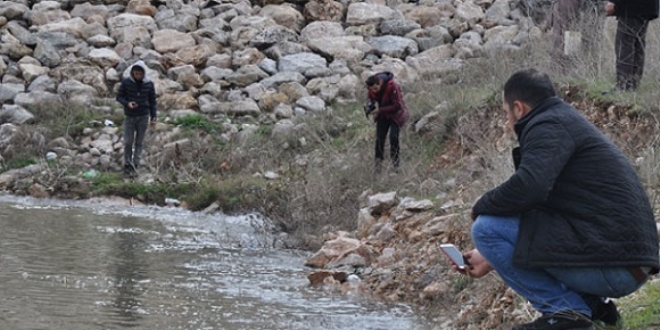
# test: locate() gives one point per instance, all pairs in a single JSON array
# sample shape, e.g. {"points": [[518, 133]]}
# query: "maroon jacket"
{"points": [[390, 100]]}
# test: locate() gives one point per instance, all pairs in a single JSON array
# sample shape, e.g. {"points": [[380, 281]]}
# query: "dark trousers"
{"points": [[630, 44], [383, 125], [134, 131]]}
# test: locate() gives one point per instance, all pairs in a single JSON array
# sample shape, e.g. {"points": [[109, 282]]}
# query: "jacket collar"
{"points": [[539, 108]]}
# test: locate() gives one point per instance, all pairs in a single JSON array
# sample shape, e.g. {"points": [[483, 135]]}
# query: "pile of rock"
{"points": [[395, 254], [395, 249], [270, 60], [240, 58]]}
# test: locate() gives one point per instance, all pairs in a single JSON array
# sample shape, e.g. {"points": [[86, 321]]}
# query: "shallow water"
{"points": [[83, 265]]}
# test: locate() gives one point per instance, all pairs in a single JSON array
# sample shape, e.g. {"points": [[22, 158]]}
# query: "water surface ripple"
{"points": [[84, 265]]}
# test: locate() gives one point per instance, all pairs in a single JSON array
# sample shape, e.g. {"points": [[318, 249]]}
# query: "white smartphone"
{"points": [[454, 255]]}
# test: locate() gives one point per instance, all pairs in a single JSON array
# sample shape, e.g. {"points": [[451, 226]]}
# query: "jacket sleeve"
{"points": [[395, 100], [121, 94], [546, 150], [152, 102]]}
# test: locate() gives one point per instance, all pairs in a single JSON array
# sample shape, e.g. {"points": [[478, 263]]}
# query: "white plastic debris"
{"points": [[172, 201], [353, 280]]}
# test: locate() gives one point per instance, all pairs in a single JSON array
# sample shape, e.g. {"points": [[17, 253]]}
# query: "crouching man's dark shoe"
{"points": [[608, 314], [558, 321]]}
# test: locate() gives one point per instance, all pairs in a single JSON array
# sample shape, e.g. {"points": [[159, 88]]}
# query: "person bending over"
{"points": [[390, 114]]}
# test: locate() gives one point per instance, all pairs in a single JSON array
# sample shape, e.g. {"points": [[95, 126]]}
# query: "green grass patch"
{"points": [[244, 192], [151, 193], [18, 162], [237, 193], [198, 121], [107, 178], [264, 132], [641, 311], [202, 197]]}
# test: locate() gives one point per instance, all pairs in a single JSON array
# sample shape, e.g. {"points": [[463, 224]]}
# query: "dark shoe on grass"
{"points": [[558, 321], [130, 171], [615, 89], [608, 314]]}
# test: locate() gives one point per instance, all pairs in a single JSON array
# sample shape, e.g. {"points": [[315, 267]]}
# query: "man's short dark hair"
{"points": [[137, 68], [372, 80], [530, 86]]}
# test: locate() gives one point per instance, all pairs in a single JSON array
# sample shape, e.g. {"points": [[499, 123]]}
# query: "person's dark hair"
{"points": [[137, 68], [372, 80], [529, 86]]}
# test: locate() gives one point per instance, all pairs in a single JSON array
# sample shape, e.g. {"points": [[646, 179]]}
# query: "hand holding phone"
{"points": [[454, 255]]}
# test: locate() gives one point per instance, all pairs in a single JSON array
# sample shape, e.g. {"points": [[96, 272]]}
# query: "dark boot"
{"points": [[608, 314], [129, 170]]}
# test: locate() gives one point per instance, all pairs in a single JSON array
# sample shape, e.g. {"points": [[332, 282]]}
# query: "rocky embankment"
{"points": [[270, 60], [395, 254]]}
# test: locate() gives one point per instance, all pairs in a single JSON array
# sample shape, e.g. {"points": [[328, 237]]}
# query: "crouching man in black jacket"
{"points": [[138, 96], [573, 225]]}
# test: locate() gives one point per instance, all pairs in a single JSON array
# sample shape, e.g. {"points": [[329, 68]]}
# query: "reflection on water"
{"points": [[128, 267], [76, 266]]}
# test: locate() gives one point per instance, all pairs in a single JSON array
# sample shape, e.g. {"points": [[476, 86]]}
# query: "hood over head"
{"points": [[139, 65]]}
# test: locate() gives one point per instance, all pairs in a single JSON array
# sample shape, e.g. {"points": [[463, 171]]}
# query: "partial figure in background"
{"points": [[576, 32], [390, 114], [630, 43], [592, 22], [138, 96], [563, 19]]}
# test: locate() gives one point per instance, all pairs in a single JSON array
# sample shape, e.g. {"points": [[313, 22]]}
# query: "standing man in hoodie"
{"points": [[138, 96], [632, 22], [390, 114]]}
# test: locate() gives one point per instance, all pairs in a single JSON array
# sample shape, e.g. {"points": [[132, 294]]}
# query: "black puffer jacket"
{"points": [[647, 9], [143, 93], [580, 200]]}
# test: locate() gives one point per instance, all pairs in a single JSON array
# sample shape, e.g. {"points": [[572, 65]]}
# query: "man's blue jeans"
{"points": [[550, 290]]}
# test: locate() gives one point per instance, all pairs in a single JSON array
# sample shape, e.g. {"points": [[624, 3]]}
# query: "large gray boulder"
{"points": [[301, 62], [362, 13], [394, 46], [8, 91], [15, 114]]}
